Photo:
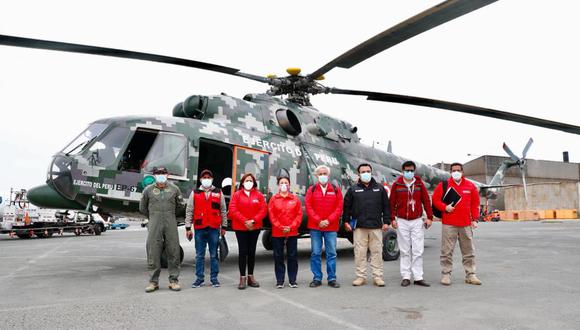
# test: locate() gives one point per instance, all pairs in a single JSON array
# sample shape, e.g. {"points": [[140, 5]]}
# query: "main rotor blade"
{"points": [[424, 21], [112, 52], [511, 153], [458, 107], [527, 147]]}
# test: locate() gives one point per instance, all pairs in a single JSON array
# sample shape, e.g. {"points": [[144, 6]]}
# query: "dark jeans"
{"points": [[291, 244], [247, 241], [206, 237]]}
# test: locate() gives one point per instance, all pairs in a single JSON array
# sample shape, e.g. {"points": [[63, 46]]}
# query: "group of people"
{"points": [[366, 210]]}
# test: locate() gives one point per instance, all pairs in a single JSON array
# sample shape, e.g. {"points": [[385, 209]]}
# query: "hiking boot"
{"points": [[472, 279], [359, 281], [446, 279], [379, 281], [252, 282], [422, 283], [406, 282], [242, 284], [333, 284], [151, 287], [174, 286], [315, 284], [198, 283]]}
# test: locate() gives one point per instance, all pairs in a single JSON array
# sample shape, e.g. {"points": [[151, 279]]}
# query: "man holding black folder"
{"points": [[459, 205], [367, 212]]}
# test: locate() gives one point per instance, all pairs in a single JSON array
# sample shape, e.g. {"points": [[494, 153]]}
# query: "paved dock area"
{"points": [[530, 273]]}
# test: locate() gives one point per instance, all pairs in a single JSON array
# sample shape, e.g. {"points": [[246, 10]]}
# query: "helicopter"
{"points": [[106, 167]]}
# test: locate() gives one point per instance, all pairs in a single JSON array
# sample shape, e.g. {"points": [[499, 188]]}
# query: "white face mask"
{"points": [[248, 185], [456, 175], [365, 177], [161, 178], [206, 183], [323, 179], [283, 187]]}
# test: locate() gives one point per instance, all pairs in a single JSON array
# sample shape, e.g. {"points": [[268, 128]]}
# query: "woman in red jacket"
{"points": [[247, 211], [285, 213]]}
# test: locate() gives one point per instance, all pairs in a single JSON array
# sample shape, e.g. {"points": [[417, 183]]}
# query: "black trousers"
{"points": [[291, 244], [247, 241]]}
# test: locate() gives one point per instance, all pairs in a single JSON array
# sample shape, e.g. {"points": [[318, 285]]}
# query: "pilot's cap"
{"points": [[160, 170]]}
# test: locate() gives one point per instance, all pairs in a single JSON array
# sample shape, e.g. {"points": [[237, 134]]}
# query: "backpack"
{"points": [[436, 211]]}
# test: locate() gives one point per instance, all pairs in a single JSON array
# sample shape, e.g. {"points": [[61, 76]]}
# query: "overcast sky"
{"points": [[517, 55]]}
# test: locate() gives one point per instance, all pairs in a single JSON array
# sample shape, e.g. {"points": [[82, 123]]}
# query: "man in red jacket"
{"points": [[323, 207], [408, 198], [459, 220]]}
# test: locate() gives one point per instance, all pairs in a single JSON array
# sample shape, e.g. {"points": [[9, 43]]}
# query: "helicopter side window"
{"points": [[134, 157], [106, 151], [169, 150], [86, 137]]}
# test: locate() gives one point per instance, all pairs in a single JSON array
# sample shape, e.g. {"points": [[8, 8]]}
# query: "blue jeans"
{"points": [[210, 237], [329, 237]]}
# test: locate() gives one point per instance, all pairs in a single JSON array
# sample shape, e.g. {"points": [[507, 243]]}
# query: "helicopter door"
{"points": [[247, 160], [218, 158]]}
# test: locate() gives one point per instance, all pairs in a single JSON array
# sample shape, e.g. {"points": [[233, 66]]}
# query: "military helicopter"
{"points": [[105, 168]]}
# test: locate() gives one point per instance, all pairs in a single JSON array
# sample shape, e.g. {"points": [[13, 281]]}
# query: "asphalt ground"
{"points": [[529, 272]]}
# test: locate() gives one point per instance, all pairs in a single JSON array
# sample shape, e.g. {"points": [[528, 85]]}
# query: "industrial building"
{"points": [[551, 184]]}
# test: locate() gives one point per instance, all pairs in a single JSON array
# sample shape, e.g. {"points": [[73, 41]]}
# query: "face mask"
{"points": [[283, 187], [365, 177], [161, 178], [206, 183], [323, 179], [248, 185], [408, 175], [456, 175]]}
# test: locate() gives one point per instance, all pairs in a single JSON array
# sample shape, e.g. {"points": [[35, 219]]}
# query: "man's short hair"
{"points": [[363, 165], [321, 167], [407, 164], [456, 164]]}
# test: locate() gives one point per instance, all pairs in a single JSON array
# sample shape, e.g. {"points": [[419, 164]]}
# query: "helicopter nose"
{"points": [[46, 197]]}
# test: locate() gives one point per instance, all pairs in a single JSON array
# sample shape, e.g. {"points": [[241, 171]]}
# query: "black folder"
{"points": [[451, 197]]}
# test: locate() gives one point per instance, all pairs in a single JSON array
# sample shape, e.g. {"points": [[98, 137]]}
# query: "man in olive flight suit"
{"points": [[159, 203]]}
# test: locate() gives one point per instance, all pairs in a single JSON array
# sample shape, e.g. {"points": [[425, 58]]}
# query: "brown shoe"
{"points": [[151, 287], [359, 281], [472, 279], [242, 284], [405, 282], [174, 286], [379, 281], [252, 282]]}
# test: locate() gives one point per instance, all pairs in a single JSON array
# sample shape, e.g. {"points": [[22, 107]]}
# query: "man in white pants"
{"points": [[408, 198]]}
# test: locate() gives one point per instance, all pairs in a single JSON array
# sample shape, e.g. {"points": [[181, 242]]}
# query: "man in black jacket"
{"points": [[367, 212]]}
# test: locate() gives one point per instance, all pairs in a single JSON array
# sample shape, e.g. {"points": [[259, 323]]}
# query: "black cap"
{"points": [[204, 172], [160, 170]]}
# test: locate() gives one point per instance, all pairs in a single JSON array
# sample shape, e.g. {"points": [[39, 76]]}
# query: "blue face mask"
{"points": [[161, 178], [323, 179], [409, 175], [366, 177]]}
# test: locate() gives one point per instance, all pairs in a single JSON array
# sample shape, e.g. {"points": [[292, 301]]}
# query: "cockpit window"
{"points": [[169, 151], [81, 141], [106, 150]]}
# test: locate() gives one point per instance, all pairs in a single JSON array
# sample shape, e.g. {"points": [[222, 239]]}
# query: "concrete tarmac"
{"points": [[529, 272]]}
